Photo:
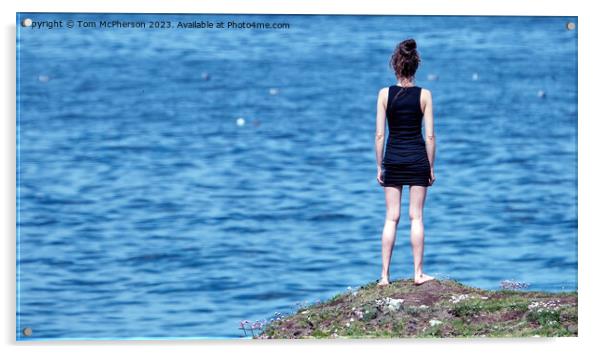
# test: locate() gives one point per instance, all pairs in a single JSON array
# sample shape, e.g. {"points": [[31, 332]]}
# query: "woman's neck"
{"points": [[405, 82]]}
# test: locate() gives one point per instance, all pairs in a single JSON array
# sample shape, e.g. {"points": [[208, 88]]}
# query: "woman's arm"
{"points": [[379, 137], [429, 127]]}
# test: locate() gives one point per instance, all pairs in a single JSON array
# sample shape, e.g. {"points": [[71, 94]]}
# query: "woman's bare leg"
{"points": [[417, 198], [393, 201]]}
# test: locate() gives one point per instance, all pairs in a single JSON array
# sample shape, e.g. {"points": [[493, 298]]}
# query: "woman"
{"points": [[408, 158]]}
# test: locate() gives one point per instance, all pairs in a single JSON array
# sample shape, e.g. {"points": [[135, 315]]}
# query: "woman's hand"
{"points": [[432, 179], [379, 175]]}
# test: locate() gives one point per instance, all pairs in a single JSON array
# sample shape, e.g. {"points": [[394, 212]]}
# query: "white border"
{"points": [[589, 176]]}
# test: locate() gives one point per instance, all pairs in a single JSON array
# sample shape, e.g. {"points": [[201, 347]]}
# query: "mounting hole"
{"points": [[26, 22], [570, 26], [27, 331]]}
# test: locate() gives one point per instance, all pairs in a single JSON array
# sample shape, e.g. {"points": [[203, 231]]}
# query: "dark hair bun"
{"points": [[408, 45], [405, 59]]}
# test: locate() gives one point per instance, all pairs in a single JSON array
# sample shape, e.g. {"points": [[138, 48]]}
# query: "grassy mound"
{"points": [[439, 308]]}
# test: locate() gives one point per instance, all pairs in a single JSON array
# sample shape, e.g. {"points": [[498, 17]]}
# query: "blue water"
{"points": [[145, 210]]}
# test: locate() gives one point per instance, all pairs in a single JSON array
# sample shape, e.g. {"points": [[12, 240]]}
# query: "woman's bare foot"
{"points": [[383, 282], [422, 278]]}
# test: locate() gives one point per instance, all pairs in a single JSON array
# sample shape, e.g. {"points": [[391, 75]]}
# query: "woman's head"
{"points": [[405, 59]]}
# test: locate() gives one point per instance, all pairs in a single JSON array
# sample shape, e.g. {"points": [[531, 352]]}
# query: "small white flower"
{"points": [[435, 322], [457, 298]]}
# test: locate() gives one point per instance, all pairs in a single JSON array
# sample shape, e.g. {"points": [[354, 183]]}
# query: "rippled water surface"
{"points": [[145, 210]]}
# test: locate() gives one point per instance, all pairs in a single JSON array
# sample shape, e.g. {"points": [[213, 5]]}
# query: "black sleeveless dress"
{"points": [[405, 160]]}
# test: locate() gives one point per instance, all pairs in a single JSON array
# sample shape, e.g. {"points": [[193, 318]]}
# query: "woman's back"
{"points": [[405, 143]]}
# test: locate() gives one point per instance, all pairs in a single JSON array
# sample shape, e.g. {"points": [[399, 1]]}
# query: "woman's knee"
{"points": [[393, 215], [415, 215]]}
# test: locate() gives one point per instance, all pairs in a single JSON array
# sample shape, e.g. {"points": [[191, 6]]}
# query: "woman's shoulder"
{"points": [[425, 93], [384, 92]]}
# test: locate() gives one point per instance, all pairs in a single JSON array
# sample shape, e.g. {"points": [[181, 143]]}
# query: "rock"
{"points": [[432, 308], [389, 303], [572, 328], [394, 304]]}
